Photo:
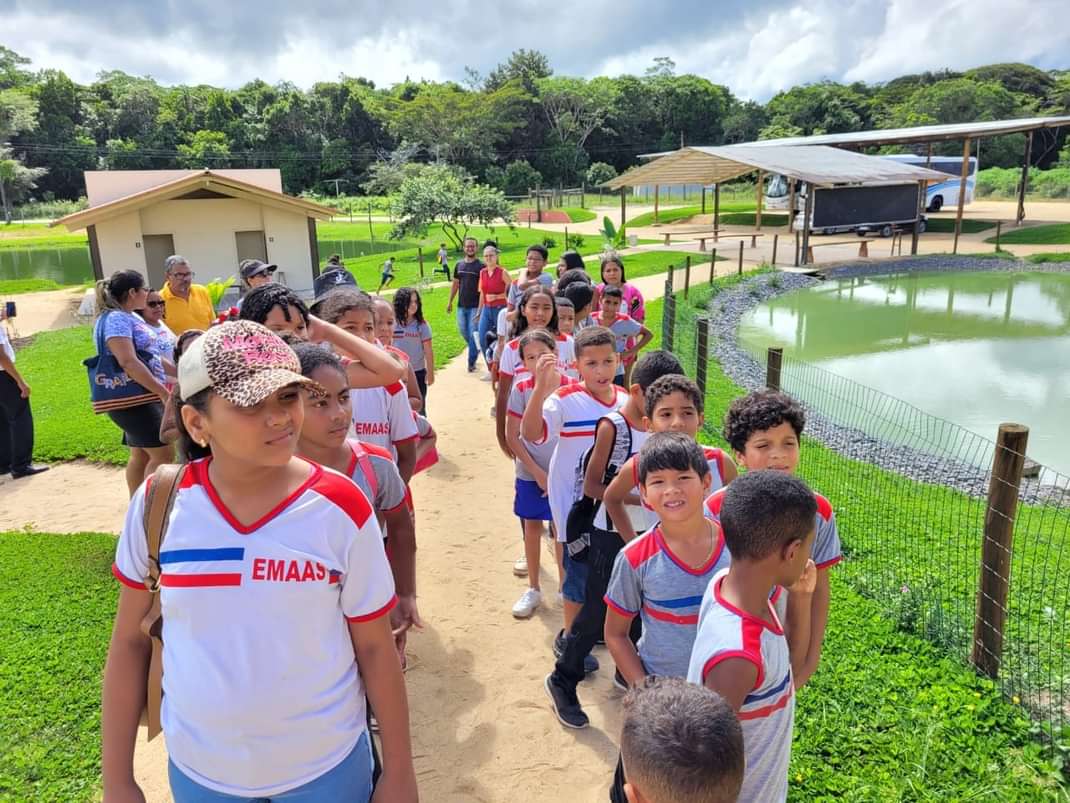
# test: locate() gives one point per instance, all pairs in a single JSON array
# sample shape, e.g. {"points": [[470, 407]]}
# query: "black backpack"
{"points": [[581, 515]]}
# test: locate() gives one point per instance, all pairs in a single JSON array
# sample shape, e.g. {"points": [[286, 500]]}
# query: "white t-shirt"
{"points": [[383, 416], [570, 414], [512, 366], [5, 344], [519, 396], [262, 692]]}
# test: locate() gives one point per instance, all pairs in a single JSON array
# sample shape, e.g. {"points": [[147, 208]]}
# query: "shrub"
{"points": [[600, 173]]}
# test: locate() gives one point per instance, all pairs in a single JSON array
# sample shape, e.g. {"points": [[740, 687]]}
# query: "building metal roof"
{"points": [[818, 165], [196, 180]]}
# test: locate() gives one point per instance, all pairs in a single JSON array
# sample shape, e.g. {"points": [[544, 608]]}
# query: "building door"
{"points": [[251, 245], [157, 248]]}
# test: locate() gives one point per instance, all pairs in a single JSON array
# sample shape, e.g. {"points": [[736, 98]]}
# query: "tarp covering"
{"points": [[818, 165]]}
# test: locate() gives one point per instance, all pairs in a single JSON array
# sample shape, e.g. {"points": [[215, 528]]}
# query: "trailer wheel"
{"points": [[921, 227], [886, 230], [937, 204]]}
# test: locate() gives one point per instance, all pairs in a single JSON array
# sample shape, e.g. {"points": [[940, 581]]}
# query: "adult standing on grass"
{"points": [[493, 297], [465, 289], [189, 306], [16, 420], [124, 334]]}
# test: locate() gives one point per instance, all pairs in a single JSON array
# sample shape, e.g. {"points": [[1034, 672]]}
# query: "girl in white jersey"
{"points": [[274, 590]]}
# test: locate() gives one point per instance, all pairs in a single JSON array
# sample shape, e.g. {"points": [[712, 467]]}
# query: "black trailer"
{"points": [[875, 208]]}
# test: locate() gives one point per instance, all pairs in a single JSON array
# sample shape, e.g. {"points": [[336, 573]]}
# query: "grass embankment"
{"points": [[891, 715], [1057, 256], [684, 213], [946, 225], [38, 235], [11, 287], [1051, 234]]}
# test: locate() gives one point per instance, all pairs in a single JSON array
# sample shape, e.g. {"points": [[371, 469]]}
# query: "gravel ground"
{"points": [[942, 469]]}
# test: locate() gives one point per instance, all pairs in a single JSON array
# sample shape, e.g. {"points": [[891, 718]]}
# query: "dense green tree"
{"points": [[205, 149], [65, 148], [448, 196], [525, 66], [823, 108]]}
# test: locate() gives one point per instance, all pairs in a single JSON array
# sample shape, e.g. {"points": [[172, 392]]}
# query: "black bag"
{"points": [[581, 515]]}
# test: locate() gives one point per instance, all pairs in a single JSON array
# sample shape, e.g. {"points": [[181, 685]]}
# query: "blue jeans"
{"points": [[466, 322], [350, 781], [488, 322]]}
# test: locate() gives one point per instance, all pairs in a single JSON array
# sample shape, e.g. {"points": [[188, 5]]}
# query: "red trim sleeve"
{"points": [[399, 506], [126, 581], [368, 617], [415, 437], [617, 608], [828, 564], [728, 654], [512, 414]]}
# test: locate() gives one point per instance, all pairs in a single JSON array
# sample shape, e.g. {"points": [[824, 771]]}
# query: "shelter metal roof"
{"points": [[819, 165], [198, 180]]}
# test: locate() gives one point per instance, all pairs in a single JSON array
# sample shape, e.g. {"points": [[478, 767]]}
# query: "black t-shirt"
{"points": [[467, 273]]}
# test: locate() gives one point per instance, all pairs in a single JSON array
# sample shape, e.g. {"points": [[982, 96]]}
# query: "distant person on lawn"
{"points": [[188, 305], [16, 420], [465, 289]]}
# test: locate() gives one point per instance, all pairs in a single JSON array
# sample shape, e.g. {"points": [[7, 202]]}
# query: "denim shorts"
{"points": [[349, 782], [574, 589]]}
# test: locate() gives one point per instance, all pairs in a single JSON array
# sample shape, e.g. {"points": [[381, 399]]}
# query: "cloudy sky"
{"points": [[756, 47]]}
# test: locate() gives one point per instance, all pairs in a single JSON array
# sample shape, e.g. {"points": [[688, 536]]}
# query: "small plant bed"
{"points": [[1050, 234]]}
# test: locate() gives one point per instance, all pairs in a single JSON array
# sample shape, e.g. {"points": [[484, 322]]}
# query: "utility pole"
{"points": [[336, 181]]}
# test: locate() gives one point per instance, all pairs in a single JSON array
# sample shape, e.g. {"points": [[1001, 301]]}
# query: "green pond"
{"points": [[976, 349]]}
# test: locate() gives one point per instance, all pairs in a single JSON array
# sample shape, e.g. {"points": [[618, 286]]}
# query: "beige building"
{"points": [[214, 218]]}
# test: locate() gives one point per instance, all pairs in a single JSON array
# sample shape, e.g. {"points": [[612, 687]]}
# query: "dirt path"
{"points": [[39, 312]]}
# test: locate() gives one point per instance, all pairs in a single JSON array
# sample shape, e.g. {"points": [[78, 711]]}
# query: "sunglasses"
{"points": [[155, 304]]}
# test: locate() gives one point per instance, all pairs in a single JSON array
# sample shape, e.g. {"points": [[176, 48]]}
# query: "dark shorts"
{"points": [[140, 425], [530, 502]]}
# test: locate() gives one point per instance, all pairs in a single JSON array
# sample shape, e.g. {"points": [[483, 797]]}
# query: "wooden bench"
{"points": [[716, 236], [863, 247]]}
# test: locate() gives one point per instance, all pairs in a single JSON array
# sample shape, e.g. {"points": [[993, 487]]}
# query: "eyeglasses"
{"points": [[189, 275], [155, 304]]}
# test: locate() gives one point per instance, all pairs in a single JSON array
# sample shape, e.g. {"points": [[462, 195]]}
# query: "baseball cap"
{"points": [[242, 361], [332, 280], [250, 267]]}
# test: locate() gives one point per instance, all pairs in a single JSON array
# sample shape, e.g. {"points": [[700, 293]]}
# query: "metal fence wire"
{"points": [[938, 524]]}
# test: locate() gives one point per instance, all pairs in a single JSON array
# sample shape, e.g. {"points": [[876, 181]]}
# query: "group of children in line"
{"points": [[685, 569], [301, 430]]}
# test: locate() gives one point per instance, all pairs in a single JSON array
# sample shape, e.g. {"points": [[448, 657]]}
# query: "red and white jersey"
{"points": [[570, 414], [519, 396], [383, 416], [262, 692], [512, 366], [374, 471], [715, 459]]}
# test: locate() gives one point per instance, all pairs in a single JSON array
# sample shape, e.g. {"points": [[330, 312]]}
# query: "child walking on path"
{"points": [[631, 335], [740, 650], [275, 592], [413, 336]]}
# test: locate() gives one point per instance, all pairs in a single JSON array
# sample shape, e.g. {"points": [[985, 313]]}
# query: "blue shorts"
{"points": [[350, 781], [530, 502], [574, 589]]}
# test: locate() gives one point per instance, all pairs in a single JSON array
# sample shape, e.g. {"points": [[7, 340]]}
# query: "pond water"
{"points": [[976, 349], [66, 265]]}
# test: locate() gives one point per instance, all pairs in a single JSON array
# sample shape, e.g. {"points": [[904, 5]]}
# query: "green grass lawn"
{"points": [[946, 225], [10, 287], [683, 213], [1057, 256], [578, 215], [38, 235], [749, 219], [1051, 234]]}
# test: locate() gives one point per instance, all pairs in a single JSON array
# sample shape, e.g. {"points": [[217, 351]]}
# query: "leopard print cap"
{"points": [[245, 362]]}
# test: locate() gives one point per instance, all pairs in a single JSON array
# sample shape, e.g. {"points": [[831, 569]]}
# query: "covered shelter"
{"points": [[817, 166], [215, 218]]}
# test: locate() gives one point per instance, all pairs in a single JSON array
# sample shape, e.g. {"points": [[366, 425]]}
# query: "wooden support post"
{"points": [[538, 205], [773, 360], [962, 192], [703, 199], [1024, 182], [775, 238], [623, 207], [929, 156], [713, 264], [687, 276], [583, 195], [796, 262], [996, 548], [808, 209], [668, 317], [716, 210], [702, 353], [758, 205], [566, 238], [740, 257], [420, 259], [923, 189], [999, 229], [657, 190], [791, 202]]}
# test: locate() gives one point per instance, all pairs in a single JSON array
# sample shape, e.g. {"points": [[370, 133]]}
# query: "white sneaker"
{"points": [[520, 567], [528, 602]]}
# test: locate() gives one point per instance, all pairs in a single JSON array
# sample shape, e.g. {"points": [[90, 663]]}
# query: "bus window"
{"points": [[776, 187]]}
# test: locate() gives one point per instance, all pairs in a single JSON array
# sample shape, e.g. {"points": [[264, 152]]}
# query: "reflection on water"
{"points": [[67, 265], [975, 348]]}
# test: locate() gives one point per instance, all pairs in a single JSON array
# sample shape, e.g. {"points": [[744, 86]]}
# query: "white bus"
{"points": [[946, 193]]}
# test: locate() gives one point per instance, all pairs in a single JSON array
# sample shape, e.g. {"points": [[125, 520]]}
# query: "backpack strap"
{"points": [[159, 499], [366, 468]]}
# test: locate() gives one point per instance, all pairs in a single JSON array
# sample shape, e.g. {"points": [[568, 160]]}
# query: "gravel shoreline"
{"points": [[728, 307]]}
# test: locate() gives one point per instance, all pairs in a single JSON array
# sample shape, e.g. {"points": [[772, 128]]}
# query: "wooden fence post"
{"points": [[687, 276], [670, 279], [702, 352], [796, 262], [996, 548], [566, 238], [420, 259], [775, 238], [713, 264], [999, 226], [668, 317], [773, 361], [740, 257]]}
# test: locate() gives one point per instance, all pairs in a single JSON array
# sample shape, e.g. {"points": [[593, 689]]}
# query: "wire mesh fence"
{"points": [[958, 537]]}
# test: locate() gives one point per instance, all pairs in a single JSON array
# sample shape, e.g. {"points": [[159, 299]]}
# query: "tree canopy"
{"points": [[521, 125]]}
